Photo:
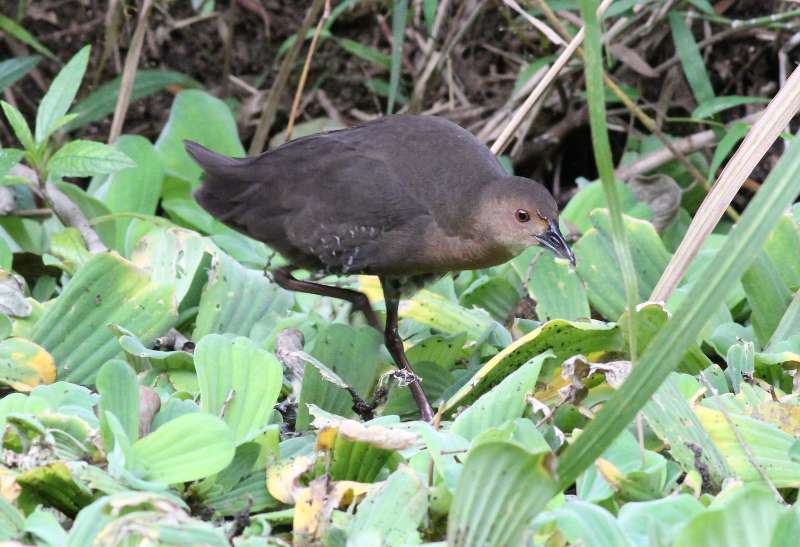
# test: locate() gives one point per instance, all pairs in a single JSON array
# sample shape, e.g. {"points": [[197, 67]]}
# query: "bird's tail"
{"points": [[224, 179]]}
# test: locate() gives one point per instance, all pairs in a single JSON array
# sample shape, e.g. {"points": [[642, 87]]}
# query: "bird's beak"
{"points": [[553, 240]]}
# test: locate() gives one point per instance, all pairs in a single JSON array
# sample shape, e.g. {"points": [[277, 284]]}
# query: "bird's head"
{"points": [[516, 213]]}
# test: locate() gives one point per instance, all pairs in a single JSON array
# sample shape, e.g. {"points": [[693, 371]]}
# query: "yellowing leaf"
{"points": [[283, 480], [25, 365], [315, 505]]}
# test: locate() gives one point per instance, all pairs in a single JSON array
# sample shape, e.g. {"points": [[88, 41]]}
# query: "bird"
{"points": [[407, 198]]}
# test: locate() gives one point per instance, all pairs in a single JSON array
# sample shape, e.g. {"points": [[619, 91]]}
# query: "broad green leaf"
{"points": [[658, 522], [429, 8], [495, 294], [353, 355], [175, 257], [119, 394], [198, 116], [133, 190], [582, 523], [768, 446], [591, 197], [19, 125], [44, 526], [767, 295], [557, 289], [626, 470], [238, 381], [391, 513], [101, 102], [503, 403], [86, 158], [55, 486], [501, 488], [783, 244], [13, 29], [713, 106], [743, 517], [24, 365], [187, 448], [599, 270], [258, 303], [564, 338], [108, 289], [691, 60], [15, 68], [60, 94]]}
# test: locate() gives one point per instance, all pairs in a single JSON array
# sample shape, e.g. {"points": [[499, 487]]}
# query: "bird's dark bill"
{"points": [[554, 241]]}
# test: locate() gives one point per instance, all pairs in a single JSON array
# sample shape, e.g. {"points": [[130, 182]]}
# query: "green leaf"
{"points": [[13, 29], [102, 101], [726, 145], [187, 448], [564, 338], [503, 403], [19, 125], [691, 60], [721, 524], [24, 365], [391, 513], [767, 295], [582, 523], [429, 9], [258, 304], [783, 244], [497, 295], [174, 256], [590, 197], [9, 157], [501, 488], [398, 38], [599, 270], [44, 526], [198, 116], [557, 289], [92, 208], [61, 93], [15, 68], [119, 394], [87, 158], [107, 289], [353, 355], [767, 445], [666, 350], [238, 381], [716, 105], [365, 52], [658, 522]]}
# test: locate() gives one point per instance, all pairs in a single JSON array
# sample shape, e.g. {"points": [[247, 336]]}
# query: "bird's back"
{"points": [[377, 176]]}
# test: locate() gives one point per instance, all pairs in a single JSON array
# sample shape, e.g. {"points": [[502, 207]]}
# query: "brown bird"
{"points": [[406, 198]]}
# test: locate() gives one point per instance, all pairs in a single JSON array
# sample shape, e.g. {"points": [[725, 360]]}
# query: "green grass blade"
{"points": [[10, 27], [595, 92], [398, 34], [666, 350], [692, 62]]}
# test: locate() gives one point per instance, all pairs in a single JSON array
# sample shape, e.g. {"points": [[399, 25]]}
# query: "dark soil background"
{"points": [[472, 86]]}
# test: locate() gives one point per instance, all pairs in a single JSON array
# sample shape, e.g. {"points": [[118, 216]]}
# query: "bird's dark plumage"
{"points": [[361, 200], [406, 198]]}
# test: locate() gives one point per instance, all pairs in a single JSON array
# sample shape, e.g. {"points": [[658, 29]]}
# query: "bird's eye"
{"points": [[522, 215]]}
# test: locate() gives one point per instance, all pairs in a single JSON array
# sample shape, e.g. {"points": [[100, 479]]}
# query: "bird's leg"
{"points": [[359, 301], [395, 346]]}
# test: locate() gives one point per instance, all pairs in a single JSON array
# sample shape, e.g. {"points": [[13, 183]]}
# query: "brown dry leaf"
{"points": [[376, 435], [661, 193], [12, 295], [633, 60]]}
